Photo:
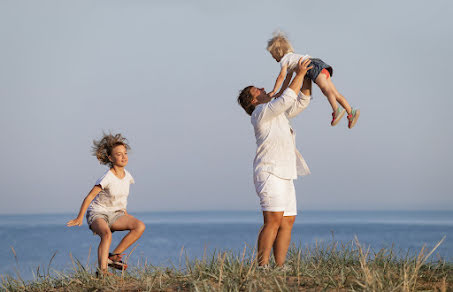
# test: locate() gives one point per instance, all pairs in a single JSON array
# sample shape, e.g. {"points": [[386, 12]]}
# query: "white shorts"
{"points": [[109, 217], [276, 194]]}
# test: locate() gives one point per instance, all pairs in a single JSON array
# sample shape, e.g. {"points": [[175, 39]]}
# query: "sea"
{"points": [[42, 244]]}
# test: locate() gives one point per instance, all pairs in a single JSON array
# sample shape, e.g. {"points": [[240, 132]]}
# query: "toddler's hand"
{"points": [[75, 222], [271, 94]]}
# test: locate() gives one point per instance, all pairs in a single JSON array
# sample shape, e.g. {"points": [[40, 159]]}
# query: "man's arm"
{"points": [[302, 69], [281, 104], [303, 100]]}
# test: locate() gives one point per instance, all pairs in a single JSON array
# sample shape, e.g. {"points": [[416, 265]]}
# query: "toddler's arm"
{"points": [[279, 80], [86, 202], [285, 84]]}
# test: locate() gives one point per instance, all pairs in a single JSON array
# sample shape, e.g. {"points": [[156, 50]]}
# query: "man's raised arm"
{"points": [[302, 69], [302, 101], [281, 104]]}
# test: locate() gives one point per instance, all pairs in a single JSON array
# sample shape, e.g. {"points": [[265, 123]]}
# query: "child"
{"points": [[282, 51], [107, 200]]}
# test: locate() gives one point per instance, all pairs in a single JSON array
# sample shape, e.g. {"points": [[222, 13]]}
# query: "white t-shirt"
{"points": [[291, 60], [114, 193]]}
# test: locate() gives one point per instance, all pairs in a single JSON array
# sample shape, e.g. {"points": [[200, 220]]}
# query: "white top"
{"points": [[291, 60], [114, 193], [276, 150]]}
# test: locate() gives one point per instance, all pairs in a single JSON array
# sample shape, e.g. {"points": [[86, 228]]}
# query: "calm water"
{"points": [[35, 238]]}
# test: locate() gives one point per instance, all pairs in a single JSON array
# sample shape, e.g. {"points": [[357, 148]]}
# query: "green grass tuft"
{"points": [[335, 266]]}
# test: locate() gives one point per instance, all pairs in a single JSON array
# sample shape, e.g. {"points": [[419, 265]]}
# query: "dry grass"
{"points": [[326, 267]]}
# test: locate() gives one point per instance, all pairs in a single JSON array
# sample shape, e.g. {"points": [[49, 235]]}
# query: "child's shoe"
{"points": [[283, 269], [103, 274], [353, 117], [115, 261], [337, 115], [263, 269]]}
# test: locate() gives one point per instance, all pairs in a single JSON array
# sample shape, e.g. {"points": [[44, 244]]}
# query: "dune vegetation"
{"points": [[334, 266]]}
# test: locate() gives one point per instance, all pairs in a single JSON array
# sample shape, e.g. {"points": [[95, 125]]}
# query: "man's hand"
{"points": [[75, 222], [302, 67]]}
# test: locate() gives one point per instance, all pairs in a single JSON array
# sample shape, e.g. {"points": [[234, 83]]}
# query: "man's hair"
{"points": [[279, 45], [245, 100]]}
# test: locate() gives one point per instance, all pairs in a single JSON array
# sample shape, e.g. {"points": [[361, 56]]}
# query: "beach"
{"points": [[173, 237]]}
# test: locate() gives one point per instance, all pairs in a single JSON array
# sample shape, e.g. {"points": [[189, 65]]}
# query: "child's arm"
{"points": [[86, 202], [285, 84], [279, 80]]}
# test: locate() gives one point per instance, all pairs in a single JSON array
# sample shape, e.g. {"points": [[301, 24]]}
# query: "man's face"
{"points": [[259, 95]]}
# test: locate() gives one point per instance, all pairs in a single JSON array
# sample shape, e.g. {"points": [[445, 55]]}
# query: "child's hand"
{"points": [[75, 222], [271, 94]]}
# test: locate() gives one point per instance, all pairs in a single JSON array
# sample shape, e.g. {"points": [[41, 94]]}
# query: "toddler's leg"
{"points": [[328, 90], [340, 98], [353, 114], [101, 228]]}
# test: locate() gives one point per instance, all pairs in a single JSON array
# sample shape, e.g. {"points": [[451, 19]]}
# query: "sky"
{"points": [[166, 74]]}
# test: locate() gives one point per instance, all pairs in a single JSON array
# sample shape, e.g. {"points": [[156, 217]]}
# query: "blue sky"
{"points": [[167, 75]]}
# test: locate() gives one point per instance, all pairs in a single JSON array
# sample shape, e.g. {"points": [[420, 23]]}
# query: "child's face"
{"points": [[119, 156]]}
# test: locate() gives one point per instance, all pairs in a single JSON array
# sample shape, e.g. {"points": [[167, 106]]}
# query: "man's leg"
{"points": [[283, 239], [267, 235], [128, 222]]}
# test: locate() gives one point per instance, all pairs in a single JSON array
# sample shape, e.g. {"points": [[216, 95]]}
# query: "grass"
{"points": [[334, 266]]}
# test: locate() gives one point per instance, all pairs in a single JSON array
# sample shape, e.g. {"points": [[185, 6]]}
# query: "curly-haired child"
{"points": [[282, 51], [106, 203]]}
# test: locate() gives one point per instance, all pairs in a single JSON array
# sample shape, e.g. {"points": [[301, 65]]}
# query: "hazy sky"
{"points": [[166, 74]]}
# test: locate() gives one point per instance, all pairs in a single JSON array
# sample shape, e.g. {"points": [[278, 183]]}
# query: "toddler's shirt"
{"points": [[291, 60]]}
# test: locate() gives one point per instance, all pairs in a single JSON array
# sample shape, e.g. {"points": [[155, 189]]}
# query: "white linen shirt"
{"points": [[276, 150]]}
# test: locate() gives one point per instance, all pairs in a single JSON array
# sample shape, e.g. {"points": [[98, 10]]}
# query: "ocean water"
{"points": [[35, 239]]}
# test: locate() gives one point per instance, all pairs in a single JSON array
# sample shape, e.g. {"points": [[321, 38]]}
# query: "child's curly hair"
{"points": [[102, 148], [279, 44]]}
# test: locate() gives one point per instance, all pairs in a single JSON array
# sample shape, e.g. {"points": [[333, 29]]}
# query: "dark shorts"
{"points": [[318, 65]]}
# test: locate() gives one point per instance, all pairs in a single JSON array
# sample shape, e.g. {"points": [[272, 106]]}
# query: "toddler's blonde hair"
{"points": [[279, 45], [102, 148]]}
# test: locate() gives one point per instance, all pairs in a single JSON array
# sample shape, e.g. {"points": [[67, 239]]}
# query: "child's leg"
{"points": [[328, 89], [101, 228], [128, 222], [340, 98]]}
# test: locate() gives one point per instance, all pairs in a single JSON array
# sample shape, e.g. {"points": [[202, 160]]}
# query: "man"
{"points": [[277, 162]]}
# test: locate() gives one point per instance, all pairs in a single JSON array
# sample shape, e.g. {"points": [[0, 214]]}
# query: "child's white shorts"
{"points": [[276, 194], [109, 217]]}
